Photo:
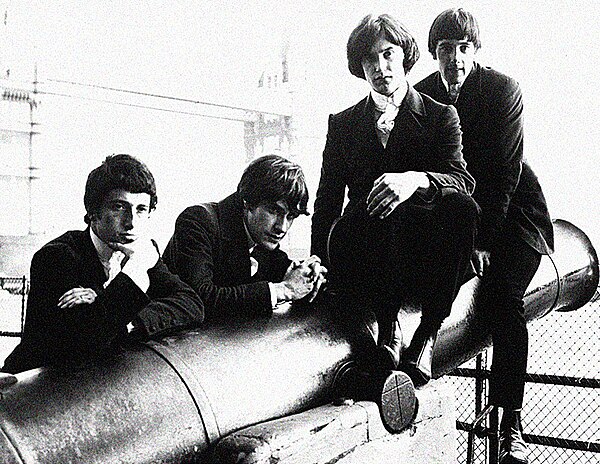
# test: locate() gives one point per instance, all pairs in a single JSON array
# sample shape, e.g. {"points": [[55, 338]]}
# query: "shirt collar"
{"points": [[382, 101]]}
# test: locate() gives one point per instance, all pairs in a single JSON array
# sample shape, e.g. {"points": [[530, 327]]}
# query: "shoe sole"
{"points": [[398, 402]]}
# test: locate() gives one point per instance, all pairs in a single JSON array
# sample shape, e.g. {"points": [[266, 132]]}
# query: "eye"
{"points": [[464, 48], [388, 54], [141, 210]]}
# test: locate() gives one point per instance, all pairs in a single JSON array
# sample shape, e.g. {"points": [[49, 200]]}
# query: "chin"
{"points": [[269, 245]]}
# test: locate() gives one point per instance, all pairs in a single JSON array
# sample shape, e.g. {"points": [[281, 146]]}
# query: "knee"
{"points": [[459, 213], [461, 205]]}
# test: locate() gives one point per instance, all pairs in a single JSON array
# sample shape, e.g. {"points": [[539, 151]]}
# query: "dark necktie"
{"points": [[453, 91]]}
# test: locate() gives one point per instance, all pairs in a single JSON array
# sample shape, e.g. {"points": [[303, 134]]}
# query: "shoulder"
{"points": [[61, 251], [204, 215], [436, 110], [349, 115], [498, 84], [427, 84]]}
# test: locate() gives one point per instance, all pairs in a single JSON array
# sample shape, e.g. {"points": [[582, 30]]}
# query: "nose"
{"points": [[282, 223], [454, 51], [381, 62], [128, 218]]}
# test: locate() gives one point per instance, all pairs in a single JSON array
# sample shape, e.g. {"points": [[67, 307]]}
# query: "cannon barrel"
{"points": [[169, 400]]}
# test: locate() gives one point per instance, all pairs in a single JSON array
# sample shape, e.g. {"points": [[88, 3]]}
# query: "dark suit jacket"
{"points": [[426, 137], [209, 251], [491, 115], [65, 336]]}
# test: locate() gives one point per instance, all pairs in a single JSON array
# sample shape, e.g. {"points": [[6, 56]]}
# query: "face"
{"points": [[123, 217], [383, 67], [268, 223], [455, 59]]}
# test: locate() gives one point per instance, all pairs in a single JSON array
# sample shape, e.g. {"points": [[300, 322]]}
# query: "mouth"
{"points": [[273, 238], [127, 238]]}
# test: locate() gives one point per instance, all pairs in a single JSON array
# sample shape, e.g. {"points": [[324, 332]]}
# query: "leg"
{"points": [[449, 231], [513, 264]]}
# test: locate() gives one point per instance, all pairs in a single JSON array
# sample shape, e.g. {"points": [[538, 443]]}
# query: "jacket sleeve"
{"points": [[193, 250], [331, 191], [450, 172], [85, 327], [504, 161], [173, 306]]}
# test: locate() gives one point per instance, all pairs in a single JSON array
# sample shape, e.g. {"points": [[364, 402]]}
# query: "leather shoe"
{"points": [[513, 449], [390, 346], [418, 357]]}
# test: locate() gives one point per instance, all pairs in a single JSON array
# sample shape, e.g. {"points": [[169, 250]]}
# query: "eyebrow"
{"points": [[451, 42]]}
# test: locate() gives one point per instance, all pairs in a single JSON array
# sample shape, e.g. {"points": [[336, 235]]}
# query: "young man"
{"points": [[229, 251], [515, 225], [408, 228], [90, 287]]}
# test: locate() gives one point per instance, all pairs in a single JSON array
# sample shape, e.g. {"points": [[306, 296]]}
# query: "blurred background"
{"points": [[197, 89]]}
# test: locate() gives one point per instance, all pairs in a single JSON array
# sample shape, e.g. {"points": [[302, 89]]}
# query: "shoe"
{"points": [[418, 357], [390, 346], [398, 403], [392, 391], [513, 449]]}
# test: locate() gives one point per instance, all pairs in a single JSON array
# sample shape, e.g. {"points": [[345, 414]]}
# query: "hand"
{"points": [[141, 254], [480, 260], [392, 189], [76, 296], [299, 280], [318, 274]]}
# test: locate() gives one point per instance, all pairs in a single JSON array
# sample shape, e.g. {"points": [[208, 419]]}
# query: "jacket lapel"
{"points": [[407, 124]]}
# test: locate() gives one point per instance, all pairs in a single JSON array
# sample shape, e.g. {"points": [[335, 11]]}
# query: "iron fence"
{"points": [[13, 298], [561, 411]]}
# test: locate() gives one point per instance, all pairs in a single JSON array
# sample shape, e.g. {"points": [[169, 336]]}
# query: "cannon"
{"points": [[171, 400]]}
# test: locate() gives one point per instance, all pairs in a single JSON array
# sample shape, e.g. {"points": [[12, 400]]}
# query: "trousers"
{"points": [[417, 254], [513, 263]]}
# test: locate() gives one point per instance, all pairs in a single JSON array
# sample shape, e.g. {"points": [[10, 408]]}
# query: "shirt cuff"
{"points": [[273, 294]]}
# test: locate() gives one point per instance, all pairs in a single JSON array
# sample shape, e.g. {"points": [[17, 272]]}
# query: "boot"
{"points": [[417, 359], [513, 449], [390, 345]]}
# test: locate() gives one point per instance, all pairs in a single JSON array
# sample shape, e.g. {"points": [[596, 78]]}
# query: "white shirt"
{"points": [[112, 261], [388, 107]]}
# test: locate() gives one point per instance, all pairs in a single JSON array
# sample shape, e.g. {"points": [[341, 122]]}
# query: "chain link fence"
{"points": [[561, 411]]}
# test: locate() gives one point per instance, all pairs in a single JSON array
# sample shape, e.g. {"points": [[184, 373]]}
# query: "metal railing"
{"points": [[562, 395], [13, 299]]}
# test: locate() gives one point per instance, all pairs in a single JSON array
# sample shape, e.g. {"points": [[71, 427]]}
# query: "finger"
{"points": [[478, 266], [378, 187], [380, 203], [320, 281], [390, 208]]}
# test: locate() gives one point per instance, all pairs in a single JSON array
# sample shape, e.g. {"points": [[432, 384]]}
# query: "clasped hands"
{"points": [[303, 279], [392, 189]]}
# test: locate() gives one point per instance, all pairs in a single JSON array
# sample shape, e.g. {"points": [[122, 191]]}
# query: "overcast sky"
{"points": [[218, 50]]}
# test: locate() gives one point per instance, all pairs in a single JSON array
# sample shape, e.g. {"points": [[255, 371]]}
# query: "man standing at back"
{"points": [[515, 225], [90, 288]]}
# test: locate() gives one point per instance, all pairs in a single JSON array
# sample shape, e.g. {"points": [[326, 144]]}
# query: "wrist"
{"points": [[424, 181], [283, 292]]}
